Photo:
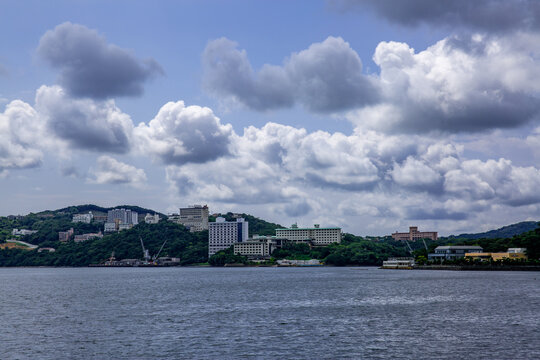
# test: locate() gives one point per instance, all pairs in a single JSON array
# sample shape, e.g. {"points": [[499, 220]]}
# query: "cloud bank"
{"points": [[180, 134], [90, 67], [489, 15], [111, 171], [324, 78]]}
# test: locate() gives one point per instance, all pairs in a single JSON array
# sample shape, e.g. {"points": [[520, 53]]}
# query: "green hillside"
{"points": [[504, 232]]}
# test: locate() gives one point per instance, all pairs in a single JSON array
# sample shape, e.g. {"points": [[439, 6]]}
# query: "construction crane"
{"points": [[424, 240], [146, 254], [159, 252], [410, 248]]}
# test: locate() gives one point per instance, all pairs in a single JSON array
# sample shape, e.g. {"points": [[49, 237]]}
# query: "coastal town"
{"points": [[232, 234]]}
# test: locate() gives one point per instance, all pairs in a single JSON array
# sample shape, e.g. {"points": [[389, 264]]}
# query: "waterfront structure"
{"points": [[84, 218], [287, 262], [151, 219], [22, 232], [511, 254], [65, 236], [261, 247], [223, 234], [398, 263], [453, 252], [414, 235], [254, 249], [317, 235], [86, 237], [194, 217]]}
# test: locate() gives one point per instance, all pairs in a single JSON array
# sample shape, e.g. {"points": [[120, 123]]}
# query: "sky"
{"points": [[371, 115]]}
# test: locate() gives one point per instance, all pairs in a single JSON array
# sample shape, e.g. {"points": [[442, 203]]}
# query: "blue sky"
{"points": [[370, 115]]}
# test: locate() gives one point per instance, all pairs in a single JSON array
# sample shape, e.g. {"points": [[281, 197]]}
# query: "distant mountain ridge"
{"points": [[504, 232], [75, 209]]}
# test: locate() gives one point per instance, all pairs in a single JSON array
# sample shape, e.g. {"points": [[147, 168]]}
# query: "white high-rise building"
{"points": [[319, 236], [223, 234], [194, 217]]}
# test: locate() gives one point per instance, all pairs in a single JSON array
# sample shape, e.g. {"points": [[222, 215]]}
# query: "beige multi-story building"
{"points": [[254, 249], [86, 237], [414, 235], [194, 217], [319, 236], [65, 236]]}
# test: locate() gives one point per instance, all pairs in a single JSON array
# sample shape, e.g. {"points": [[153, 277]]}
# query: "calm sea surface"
{"points": [[276, 313]]}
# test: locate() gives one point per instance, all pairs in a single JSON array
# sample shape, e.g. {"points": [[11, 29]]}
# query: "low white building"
{"points": [[110, 227], [151, 219], [254, 249], [399, 263], [319, 236], [124, 227], [22, 232], [84, 218], [453, 252]]}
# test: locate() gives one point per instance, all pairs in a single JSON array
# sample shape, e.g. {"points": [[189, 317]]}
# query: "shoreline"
{"points": [[478, 268]]}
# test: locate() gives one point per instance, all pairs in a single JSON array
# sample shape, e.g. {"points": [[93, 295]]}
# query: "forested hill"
{"points": [[501, 233], [256, 226], [80, 209]]}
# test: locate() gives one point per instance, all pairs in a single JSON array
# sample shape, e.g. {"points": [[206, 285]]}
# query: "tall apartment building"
{"points": [[319, 236], [120, 219], [414, 235], [194, 217], [222, 234], [125, 216]]}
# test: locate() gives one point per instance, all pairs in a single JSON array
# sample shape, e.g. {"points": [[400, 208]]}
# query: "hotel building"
{"points": [[223, 234], [319, 236], [414, 235], [194, 217]]}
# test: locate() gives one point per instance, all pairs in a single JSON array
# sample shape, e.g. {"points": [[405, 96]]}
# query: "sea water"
{"points": [[268, 313]]}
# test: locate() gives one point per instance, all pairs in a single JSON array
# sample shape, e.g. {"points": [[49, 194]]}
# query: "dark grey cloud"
{"points": [[70, 171], [90, 67], [490, 15], [299, 208], [84, 123], [327, 77], [434, 214]]}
